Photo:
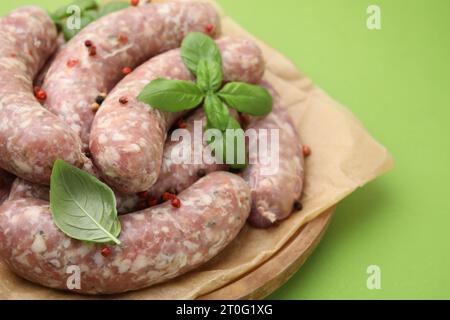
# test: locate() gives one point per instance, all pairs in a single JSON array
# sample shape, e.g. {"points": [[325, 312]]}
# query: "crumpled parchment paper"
{"points": [[344, 157]]}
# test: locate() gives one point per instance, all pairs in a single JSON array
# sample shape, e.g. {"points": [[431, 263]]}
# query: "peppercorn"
{"points": [[88, 43], [92, 51], [99, 99], [201, 173], [106, 251], [298, 206], [176, 203], [182, 124], [123, 100], [41, 95], [127, 70], [210, 28], [306, 151]]}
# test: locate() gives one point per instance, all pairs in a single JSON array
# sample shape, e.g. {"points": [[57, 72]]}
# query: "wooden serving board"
{"points": [[275, 272]]}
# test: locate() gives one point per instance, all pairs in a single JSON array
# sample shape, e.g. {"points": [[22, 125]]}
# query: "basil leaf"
{"points": [[247, 98], [90, 14], [197, 46], [216, 112], [209, 75], [171, 95], [83, 207], [224, 140], [85, 19], [86, 4], [61, 13], [111, 7]]}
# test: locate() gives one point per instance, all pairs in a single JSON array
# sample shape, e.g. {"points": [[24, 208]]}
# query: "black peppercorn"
{"points": [[298, 206], [99, 99], [201, 173]]}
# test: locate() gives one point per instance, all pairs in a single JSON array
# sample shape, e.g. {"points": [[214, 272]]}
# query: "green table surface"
{"points": [[397, 81]]}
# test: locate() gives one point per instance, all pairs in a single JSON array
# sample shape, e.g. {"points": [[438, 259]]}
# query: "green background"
{"points": [[397, 81]]}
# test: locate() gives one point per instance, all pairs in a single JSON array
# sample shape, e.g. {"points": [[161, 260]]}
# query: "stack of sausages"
{"points": [[123, 144]]}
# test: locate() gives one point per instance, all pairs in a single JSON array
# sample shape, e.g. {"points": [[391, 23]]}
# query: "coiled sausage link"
{"points": [[92, 62], [274, 194], [158, 244], [31, 138], [127, 140]]}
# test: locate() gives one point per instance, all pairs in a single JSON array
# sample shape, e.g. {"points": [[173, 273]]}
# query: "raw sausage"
{"points": [[176, 177], [158, 244], [274, 195], [127, 140], [31, 138], [93, 61]]}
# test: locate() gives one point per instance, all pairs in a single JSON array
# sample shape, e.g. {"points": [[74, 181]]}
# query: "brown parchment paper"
{"points": [[344, 157]]}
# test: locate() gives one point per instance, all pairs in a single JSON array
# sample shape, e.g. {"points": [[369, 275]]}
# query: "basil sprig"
{"points": [[89, 12], [83, 207], [202, 57]]}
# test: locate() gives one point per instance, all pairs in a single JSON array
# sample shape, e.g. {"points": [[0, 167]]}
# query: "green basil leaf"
{"points": [[69, 33], [86, 4], [247, 98], [85, 19], [90, 14], [83, 207], [61, 13], [216, 112], [224, 140], [171, 95], [209, 75], [111, 7], [195, 47], [59, 25]]}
